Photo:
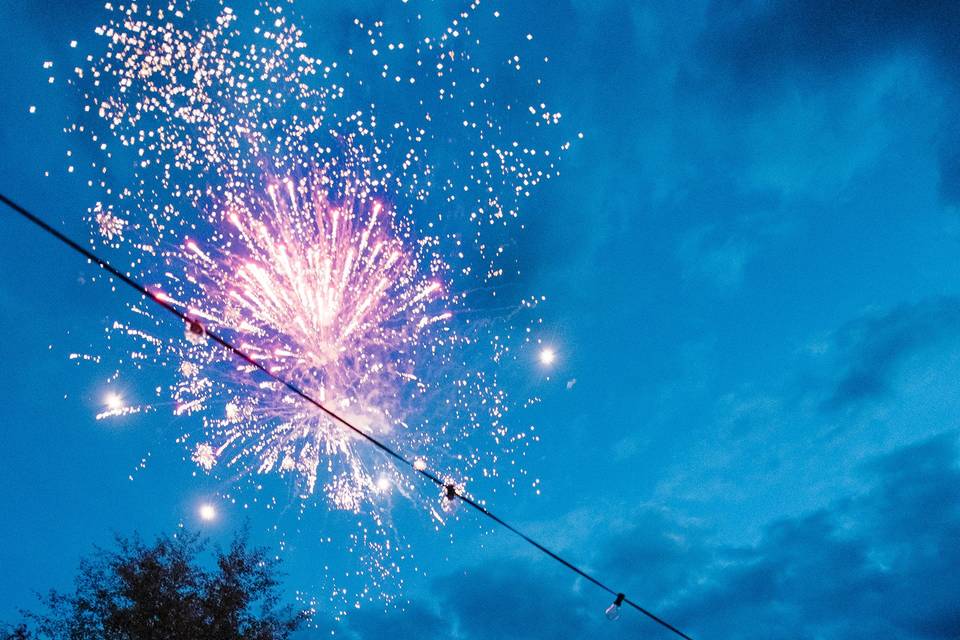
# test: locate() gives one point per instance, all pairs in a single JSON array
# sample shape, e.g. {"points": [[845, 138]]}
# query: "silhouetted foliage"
{"points": [[165, 591]]}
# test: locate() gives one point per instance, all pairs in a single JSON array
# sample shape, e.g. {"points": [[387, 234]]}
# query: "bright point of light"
{"points": [[207, 512], [419, 464], [113, 401], [547, 356], [383, 483]]}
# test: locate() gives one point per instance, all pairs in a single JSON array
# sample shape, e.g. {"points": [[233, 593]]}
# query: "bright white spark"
{"points": [[207, 512], [547, 356], [113, 401], [114, 406]]}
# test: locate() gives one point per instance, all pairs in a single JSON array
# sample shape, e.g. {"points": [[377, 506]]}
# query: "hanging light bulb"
{"points": [[450, 502], [195, 333], [613, 611]]}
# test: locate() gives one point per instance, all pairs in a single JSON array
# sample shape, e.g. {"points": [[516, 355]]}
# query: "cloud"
{"points": [[719, 261], [415, 620], [877, 565], [881, 563], [760, 51], [507, 600], [876, 347], [765, 42], [949, 159]]}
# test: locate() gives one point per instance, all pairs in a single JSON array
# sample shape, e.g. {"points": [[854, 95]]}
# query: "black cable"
{"points": [[196, 327]]}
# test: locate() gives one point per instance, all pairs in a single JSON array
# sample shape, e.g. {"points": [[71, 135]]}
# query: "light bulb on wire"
{"points": [[450, 497], [613, 611], [195, 333]]}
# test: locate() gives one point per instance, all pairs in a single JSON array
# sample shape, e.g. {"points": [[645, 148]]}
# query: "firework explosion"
{"points": [[327, 296], [356, 250]]}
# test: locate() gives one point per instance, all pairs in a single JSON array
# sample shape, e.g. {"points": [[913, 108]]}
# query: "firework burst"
{"points": [[327, 296], [354, 249]]}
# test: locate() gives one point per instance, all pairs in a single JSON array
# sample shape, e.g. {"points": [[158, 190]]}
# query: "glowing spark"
{"points": [[207, 512], [114, 406], [205, 456], [113, 401], [547, 356], [110, 226]]}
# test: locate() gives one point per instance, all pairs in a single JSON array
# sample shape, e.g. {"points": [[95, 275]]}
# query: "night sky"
{"points": [[752, 271]]}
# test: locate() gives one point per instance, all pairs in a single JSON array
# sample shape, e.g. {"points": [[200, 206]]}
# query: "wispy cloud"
{"points": [[880, 563], [875, 346]]}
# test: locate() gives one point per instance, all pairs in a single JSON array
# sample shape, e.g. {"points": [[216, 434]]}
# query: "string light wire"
{"points": [[195, 327]]}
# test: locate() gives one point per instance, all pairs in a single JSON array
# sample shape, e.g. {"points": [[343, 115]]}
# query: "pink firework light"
{"points": [[277, 202], [325, 294]]}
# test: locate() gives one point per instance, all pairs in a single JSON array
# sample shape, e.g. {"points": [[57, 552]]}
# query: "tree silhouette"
{"points": [[167, 591]]}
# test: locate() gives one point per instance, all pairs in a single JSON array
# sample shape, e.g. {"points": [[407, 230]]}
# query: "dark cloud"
{"points": [[507, 600], [757, 49], [949, 160], [766, 42], [881, 564], [915, 513], [875, 347], [789, 586], [515, 600], [416, 620]]}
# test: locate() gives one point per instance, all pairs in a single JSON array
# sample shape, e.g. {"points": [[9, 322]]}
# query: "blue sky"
{"points": [[751, 262]]}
